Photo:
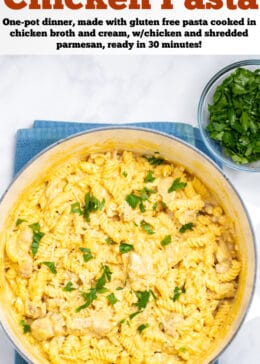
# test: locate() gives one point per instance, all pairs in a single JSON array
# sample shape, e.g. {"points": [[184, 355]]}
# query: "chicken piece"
{"points": [[171, 325], [97, 323], [58, 323], [163, 187], [42, 329], [222, 253], [140, 266], [35, 309], [100, 323], [26, 266], [18, 248], [111, 209], [81, 324], [47, 327], [223, 267], [140, 271], [129, 214]]}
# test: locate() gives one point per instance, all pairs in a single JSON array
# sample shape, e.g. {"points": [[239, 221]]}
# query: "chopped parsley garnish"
{"points": [[125, 248], [142, 327], [26, 327], [177, 292], [119, 288], [87, 254], [107, 272], [110, 241], [92, 204], [142, 207], [147, 227], [149, 177], [134, 314], [145, 193], [155, 206], [142, 299], [182, 349], [177, 185], [69, 287], [51, 266], [105, 277], [121, 322], [37, 236], [125, 174], [234, 115], [186, 227], [76, 209], [91, 295], [112, 299], [167, 240], [19, 222], [154, 161], [132, 200]]}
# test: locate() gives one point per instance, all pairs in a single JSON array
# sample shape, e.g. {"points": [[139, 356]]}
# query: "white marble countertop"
{"points": [[118, 89]]}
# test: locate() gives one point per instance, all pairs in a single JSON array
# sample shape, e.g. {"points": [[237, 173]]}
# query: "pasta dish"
{"points": [[121, 258]]}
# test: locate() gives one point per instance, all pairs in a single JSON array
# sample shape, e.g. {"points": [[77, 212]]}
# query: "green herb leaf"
{"points": [[84, 250], [69, 287], [110, 241], [167, 240], [89, 297], [132, 200], [119, 288], [112, 299], [177, 185], [87, 257], [125, 248], [101, 281], [87, 254], [107, 272], [19, 222], [125, 174], [186, 227], [51, 266], [177, 292], [26, 327], [145, 193], [154, 161], [37, 236], [141, 207], [134, 314], [147, 227], [182, 349], [121, 322], [76, 209], [155, 206], [142, 299], [154, 296], [142, 327], [92, 204], [149, 177]]}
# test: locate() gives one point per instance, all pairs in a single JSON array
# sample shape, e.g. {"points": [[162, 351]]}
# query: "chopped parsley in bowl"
{"points": [[229, 115]]}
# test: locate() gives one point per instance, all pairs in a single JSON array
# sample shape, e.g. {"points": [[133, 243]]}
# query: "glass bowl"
{"points": [[203, 115]]}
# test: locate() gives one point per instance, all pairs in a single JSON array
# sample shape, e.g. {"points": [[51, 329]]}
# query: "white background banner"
{"points": [[180, 30]]}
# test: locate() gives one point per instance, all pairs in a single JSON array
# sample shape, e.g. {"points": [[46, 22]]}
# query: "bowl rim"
{"points": [[213, 79], [189, 146]]}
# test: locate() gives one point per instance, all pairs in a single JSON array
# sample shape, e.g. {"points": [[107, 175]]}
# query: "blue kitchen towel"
{"points": [[31, 141]]}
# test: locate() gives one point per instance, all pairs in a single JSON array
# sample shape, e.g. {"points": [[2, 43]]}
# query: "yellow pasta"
{"points": [[121, 258]]}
